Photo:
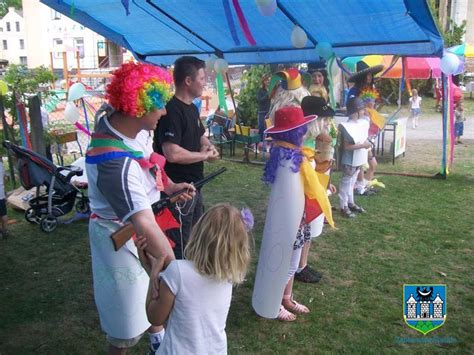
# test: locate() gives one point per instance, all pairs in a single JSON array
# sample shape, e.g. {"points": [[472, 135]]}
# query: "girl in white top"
{"points": [[415, 107], [194, 295]]}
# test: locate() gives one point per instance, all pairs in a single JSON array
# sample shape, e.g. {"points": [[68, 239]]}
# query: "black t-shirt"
{"points": [[181, 126]]}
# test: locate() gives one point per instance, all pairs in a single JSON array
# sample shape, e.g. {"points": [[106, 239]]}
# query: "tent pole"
{"points": [[231, 96], [400, 87]]}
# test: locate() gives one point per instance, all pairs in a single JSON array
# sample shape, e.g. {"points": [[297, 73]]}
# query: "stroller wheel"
{"points": [[82, 206], [30, 216], [48, 223]]}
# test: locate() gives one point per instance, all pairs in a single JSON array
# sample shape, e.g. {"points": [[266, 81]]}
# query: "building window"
{"points": [[23, 60], [22, 44], [5, 44], [1, 29], [8, 26], [55, 15], [58, 48], [17, 24], [79, 45]]}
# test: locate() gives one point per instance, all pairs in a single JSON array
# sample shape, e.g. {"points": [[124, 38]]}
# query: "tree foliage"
{"points": [[247, 98], [23, 82], [453, 33], [5, 4]]}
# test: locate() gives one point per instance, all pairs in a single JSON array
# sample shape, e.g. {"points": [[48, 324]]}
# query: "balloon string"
{"points": [[82, 128], [85, 114], [243, 23], [230, 22]]}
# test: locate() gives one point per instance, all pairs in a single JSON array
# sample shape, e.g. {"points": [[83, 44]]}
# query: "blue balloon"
{"points": [[324, 50]]}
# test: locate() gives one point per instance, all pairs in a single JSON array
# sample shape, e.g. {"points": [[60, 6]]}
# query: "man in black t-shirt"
{"points": [[180, 137]]}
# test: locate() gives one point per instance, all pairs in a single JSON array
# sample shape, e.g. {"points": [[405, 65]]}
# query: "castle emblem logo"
{"points": [[424, 306]]}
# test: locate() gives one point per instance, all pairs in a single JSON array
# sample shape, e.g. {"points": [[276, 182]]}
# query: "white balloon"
{"points": [[210, 61], [266, 7], [221, 65], [263, 3], [71, 113], [298, 37], [76, 91], [449, 63]]}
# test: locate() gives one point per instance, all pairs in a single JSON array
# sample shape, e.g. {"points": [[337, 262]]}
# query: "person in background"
{"points": [[194, 295], [438, 94], [363, 78], [354, 145], [180, 137], [3, 202], [263, 101], [318, 139], [319, 81], [459, 123], [415, 107]]}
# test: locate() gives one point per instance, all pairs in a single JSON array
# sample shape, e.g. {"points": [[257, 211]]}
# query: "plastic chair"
{"points": [[243, 135], [219, 138], [61, 139], [266, 139]]}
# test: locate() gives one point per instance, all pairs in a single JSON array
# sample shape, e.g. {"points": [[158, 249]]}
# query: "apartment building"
{"points": [[50, 33], [13, 45]]}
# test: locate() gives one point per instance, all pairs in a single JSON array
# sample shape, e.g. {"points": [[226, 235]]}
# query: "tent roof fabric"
{"points": [[158, 31]]}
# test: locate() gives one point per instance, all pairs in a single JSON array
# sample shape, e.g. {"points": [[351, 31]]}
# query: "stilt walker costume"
{"points": [[296, 197]]}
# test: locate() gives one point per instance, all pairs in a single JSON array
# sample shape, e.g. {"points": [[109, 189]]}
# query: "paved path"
{"points": [[430, 127]]}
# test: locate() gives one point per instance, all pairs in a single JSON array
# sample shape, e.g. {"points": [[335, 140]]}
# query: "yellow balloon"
{"points": [[3, 88]]}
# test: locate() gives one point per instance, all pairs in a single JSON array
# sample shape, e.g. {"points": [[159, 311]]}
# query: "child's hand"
{"points": [[366, 145], [144, 257], [332, 188], [152, 265]]}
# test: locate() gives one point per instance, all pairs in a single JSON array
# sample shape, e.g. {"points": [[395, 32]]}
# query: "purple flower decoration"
{"points": [[247, 218]]}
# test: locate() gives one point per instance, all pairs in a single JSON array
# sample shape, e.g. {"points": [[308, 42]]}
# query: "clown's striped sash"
{"points": [[105, 147]]}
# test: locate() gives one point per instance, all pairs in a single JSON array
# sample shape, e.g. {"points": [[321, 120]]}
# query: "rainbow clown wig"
{"points": [[137, 88], [369, 95]]}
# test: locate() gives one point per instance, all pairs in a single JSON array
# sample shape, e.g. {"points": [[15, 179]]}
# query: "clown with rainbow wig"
{"points": [[125, 178]]}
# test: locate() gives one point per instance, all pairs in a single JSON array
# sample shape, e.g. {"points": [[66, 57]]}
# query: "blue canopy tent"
{"points": [[158, 31]]}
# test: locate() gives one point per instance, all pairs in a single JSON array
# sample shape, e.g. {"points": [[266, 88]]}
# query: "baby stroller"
{"points": [[60, 197]]}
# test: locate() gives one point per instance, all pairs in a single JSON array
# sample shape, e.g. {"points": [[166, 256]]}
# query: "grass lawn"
{"points": [[416, 231]]}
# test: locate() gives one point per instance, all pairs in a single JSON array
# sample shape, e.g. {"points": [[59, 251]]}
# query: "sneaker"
{"points": [[152, 349], [370, 192], [358, 209], [346, 212], [307, 276], [317, 274]]}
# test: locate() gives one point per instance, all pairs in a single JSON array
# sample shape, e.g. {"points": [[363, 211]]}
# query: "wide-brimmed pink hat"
{"points": [[288, 118]]}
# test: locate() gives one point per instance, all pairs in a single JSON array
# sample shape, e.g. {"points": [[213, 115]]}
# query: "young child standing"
{"points": [[194, 295], [415, 107], [354, 145], [459, 123]]}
